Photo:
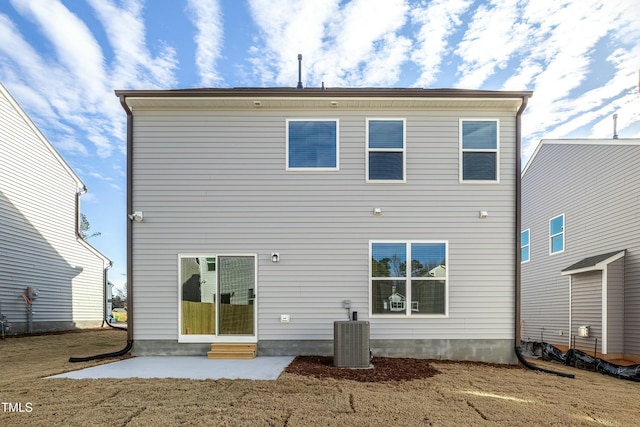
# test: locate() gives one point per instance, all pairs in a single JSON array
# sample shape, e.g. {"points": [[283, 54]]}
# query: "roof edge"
{"points": [[579, 141], [600, 265], [326, 92]]}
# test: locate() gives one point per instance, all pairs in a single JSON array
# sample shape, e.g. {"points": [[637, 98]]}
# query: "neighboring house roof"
{"points": [[579, 141], [439, 271], [593, 263]]}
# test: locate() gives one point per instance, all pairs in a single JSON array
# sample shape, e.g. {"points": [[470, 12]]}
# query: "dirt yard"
{"points": [[456, 394]]}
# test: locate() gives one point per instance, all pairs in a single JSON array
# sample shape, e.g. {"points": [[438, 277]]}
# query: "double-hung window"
{"points": [[479, 153], [525, 246], [312, 144], [386, 150], [402, 288], [556, 234]]}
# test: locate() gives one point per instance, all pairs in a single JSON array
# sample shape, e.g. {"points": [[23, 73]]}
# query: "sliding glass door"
{"points": [[217, 298]]}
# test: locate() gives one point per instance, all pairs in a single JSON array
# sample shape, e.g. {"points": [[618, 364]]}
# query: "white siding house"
{"points": [[581, 241], [42, 259], [293, 201]]}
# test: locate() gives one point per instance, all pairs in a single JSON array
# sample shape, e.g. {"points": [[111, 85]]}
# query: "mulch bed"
{"points": [[384, 369]]}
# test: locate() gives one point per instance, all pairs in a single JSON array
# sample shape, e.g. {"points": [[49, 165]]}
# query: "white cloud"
{"points": [[562, 58], [19, 55], [207, 18], [437, 22], [352, 44], [79, 84], [89, 197], [366, 29], [285, 30], [69, 144], [100, 177], [623, 90], [384, 66], [76, 95], [135, 66], [494, 35], [118, 170], [78, 53]]}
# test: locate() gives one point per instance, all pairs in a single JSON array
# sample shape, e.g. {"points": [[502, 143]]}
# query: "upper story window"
{"points": [[525, 246], [402, 288], [479, 154], [386, 150], [556, 234], [312, 144]]}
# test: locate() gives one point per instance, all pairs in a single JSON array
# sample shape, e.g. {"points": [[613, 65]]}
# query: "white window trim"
{"points": [[564, 229], [522, 246], [403, 150], [294, 169], [408, 279], [496, 150], [217, 338]]}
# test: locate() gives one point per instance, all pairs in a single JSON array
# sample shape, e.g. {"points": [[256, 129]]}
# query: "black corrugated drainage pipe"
{"points": [[129, 329], [105, 355], [518, 227], [114, 327], [533, 367]]}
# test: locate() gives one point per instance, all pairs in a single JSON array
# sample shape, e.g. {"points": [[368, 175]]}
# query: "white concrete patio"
{"points": [[189, 367]]}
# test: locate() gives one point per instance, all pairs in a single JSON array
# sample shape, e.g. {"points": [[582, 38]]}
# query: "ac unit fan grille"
{"points": [[351, 344]]}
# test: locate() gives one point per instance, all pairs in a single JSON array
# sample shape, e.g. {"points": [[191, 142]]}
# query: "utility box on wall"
{"points": [[583, 331], [351, 344]]}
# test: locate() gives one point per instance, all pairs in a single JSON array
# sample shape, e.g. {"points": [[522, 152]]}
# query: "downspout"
{"points": [[518, 229], [127, 348], [123, 102], [105, 284], [518, 260]]}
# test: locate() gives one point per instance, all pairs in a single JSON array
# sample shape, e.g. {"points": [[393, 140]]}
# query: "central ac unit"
{"points": [[351, 344]]}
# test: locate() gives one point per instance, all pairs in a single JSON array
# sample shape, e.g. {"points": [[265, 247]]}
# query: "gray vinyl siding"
{"points": [[615, 307], [38, 245], [586, 309], [214, 182], [596, 187]]}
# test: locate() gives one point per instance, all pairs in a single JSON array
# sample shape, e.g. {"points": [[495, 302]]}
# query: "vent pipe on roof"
{"points": [[299, 72], [615, 126]]}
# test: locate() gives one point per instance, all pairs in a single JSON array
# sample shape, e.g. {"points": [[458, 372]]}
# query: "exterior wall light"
{"points": [[377, 211], [483, 214], [137, 216], [275, 257]]}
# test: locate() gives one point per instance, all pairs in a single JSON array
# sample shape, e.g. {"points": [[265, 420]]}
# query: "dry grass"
{"points": [[460, 395]]}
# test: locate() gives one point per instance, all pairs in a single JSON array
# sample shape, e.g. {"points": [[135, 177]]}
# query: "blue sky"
{"points": [[62, 60]]}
